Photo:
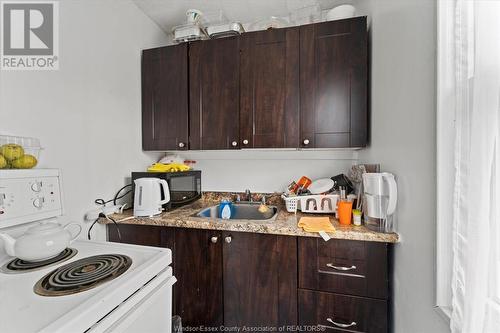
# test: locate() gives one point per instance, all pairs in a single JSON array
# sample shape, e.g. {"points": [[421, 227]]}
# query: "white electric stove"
{"points": [[135, 294]]}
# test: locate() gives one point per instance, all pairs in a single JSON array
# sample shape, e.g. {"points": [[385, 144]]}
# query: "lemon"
{"points": [[3, 162], [11, 151], [25, 162]]}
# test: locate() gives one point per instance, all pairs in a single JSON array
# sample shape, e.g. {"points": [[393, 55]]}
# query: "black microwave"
{"points": [[185, 187]]}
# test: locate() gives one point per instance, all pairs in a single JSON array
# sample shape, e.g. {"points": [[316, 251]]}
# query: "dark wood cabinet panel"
{"points": [[334, 84], [214, 93], [136, 234], [165, 98], [260, 280], [344, 266], [198, 269], [248, 279], [304, 87], [341, 313], [269, 89]]}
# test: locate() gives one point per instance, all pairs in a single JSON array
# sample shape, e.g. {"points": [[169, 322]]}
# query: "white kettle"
{"points": [[147, 198]]}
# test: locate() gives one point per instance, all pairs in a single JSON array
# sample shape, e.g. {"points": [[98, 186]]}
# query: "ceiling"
{"points": [[170, 13]]}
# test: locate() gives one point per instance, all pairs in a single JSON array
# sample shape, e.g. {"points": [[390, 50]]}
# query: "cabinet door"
{"points": [[214, 93], [334, 84], [260, 280], [198, 269], [269, 89], [165, 98]]}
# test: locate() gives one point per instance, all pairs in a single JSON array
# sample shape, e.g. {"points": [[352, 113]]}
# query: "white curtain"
{"points": [[474, 29]]}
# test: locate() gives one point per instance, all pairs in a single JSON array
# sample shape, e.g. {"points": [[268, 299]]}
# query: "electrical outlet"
{"points": [[92, 215], [108, 210]]}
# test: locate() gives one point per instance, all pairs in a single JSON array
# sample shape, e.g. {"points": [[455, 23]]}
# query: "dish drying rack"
{"points": [[317, 203]]}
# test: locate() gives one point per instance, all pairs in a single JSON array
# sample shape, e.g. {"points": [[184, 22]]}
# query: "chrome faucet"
{"points": [[245, 198], [248, 195]]}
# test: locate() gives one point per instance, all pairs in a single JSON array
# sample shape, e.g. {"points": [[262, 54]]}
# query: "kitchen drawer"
{"points": [[344, 266], [342, 313]]}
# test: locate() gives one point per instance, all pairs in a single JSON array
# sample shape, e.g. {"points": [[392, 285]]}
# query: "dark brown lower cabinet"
{"points": [[336, 312], [258, 280], [138, 234], [344, 266], [198, 269]]}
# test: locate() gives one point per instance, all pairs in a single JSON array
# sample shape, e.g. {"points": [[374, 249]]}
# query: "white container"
{"points": [[31, 146], [340, 12], [379, 201]]}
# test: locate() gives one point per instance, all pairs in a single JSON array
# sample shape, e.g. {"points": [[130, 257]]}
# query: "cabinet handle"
{"points": [[234, 143], [306, 142], [341, 268], [181, 144], [153, 115], [228, 239], [245, 142], [330, 320], [214, 239]]}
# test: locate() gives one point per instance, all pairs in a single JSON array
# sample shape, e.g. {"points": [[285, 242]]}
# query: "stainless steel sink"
{"points": [[242, 211]]}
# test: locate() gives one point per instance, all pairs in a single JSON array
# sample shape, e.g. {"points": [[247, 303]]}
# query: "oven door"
{"points": [[184, 188], [149, 310]]}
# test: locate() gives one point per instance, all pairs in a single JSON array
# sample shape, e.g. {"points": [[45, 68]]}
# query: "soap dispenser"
{"points": [[226, 209]]}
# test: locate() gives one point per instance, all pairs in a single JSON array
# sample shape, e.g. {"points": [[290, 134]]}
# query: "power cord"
{"points": [[103, 203], [117, 196], [101, 215]]}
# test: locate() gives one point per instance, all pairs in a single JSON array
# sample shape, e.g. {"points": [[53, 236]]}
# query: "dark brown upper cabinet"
{"points": [[165, 98], [269, 89], [334, 84], [298, 87], [214, 68]]}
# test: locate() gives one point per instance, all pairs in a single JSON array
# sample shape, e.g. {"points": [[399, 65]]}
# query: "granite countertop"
{"points": [[285, 223]]}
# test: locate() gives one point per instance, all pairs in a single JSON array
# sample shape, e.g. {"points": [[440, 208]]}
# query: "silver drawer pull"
{"points": [[341, 268], [330, 320]]}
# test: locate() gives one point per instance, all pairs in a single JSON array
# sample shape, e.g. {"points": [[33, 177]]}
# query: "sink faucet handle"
{"points": [[263, 199], [248, 194]]}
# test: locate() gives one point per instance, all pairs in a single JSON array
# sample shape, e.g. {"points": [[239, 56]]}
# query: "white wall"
{"points": [[403, 141], [87, 114], [267, 170]]}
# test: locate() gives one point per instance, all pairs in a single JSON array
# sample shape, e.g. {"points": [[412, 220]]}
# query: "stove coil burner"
{"points": [[83, 274], [21, 266]]}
